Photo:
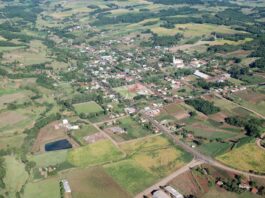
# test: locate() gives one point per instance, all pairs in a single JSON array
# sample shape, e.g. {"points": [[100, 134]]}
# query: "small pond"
{"points": [[58, 145]]}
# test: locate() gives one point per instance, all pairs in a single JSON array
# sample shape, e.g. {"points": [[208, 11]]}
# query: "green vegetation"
{"points": [[87, 107], [203, 106], [130, 176], [100, 152]]}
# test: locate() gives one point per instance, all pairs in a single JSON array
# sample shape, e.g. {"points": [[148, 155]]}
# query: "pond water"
{"points": [[58, 145]]}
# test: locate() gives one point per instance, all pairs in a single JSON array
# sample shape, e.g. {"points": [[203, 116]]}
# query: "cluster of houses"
{"points": [[65, 124]]}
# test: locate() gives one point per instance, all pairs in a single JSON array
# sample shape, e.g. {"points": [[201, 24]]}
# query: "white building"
{"points": [[178, 62], [201, 75], [173, 192], [160, 194]]}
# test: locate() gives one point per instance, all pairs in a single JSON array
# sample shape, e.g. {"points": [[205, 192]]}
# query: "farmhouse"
{"points": [[201, 75]]}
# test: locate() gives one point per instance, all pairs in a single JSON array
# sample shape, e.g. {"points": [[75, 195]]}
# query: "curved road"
{"points": [[199, 158]]}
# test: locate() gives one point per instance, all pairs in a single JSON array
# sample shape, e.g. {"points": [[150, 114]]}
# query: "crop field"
{"points": [[214, 148], [43, 189], [176, 110], [149, 159], [36, 54], [252, 100], [90, 183], [16, 175], [12, 141], [98, 153], [12, 97], [193, 30], [208, 130], [49, 158], [84, 131], [130, 176], [247, 157], [133, 129], [88, 107]]}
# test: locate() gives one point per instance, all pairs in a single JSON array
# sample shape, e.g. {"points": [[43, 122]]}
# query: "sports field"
{"points": [[88, 107]]}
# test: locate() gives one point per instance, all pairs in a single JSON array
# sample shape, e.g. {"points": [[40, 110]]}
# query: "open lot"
{"points": [[84, 131], [88, 107], [90, 182]]}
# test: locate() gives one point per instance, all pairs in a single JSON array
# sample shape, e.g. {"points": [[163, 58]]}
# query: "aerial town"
{"points": [[132, 98]]}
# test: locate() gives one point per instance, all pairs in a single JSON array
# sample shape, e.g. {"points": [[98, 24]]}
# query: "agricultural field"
{"points": [[89, 183], [254, 100], [252, 160], [16, 176], [44, 188], [150, 158], [193, 30], [100, 152], [49, 158], [88, 107]]}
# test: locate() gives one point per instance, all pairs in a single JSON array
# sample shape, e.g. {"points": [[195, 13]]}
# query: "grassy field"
{"points": [[43, 189], [36, 54], [134, 129], [49, 158], [193, 30], [214, 148], [148, 160], [160, 160], [247, 157], [124, 92], [88, 183], [130, 176], [87, 107], [16, 175], [84, 131], [97, 153], [214, 192]]}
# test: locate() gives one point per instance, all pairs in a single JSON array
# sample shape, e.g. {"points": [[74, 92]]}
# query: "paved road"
{"points": [[167, 179], [197, 155]]}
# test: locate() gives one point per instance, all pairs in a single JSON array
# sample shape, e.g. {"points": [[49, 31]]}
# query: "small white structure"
{"points": [[160, 194], [173, 192], [130, 110], [65, 122], [178, 62], [66, 186], [201, 75], [74, 127]]}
